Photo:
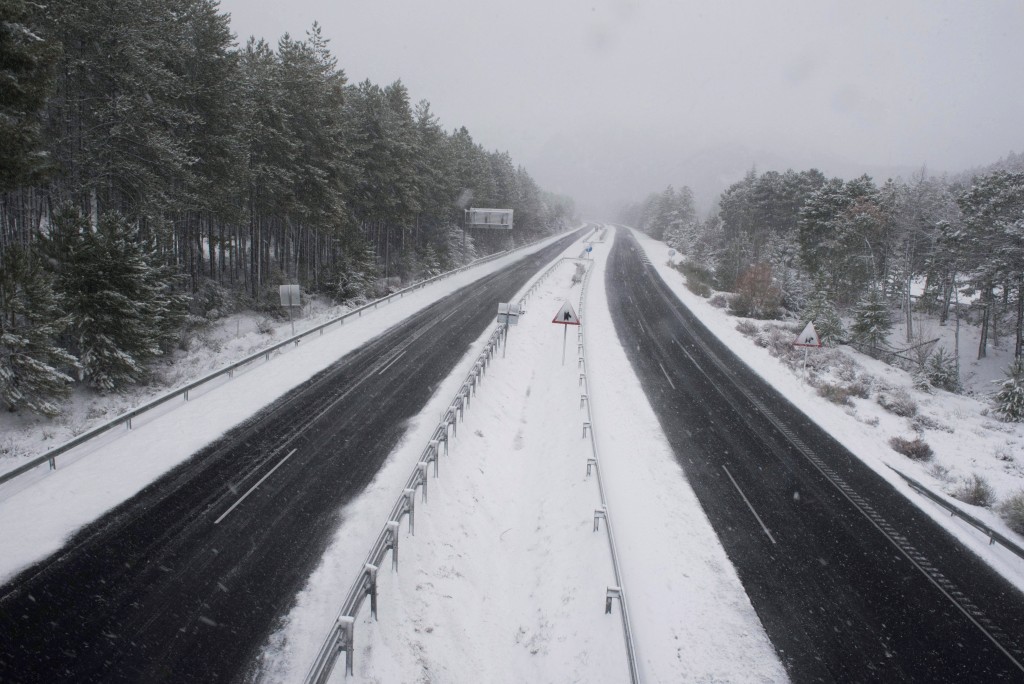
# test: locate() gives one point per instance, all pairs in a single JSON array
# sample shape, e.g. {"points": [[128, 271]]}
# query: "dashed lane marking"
{"points": [[253, 488]]}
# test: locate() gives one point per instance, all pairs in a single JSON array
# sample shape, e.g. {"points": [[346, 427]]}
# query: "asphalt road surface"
{"points": [[184, 582], [851, 581]]}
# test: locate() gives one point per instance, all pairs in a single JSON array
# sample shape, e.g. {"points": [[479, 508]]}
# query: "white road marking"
{"points": [[253, 488], [666, 375], [391, 363], [746, 501]]}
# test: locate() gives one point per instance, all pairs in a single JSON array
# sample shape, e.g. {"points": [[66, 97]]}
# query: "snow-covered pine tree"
{"points": [[123, 307], [872, 322], [33, 367], [822, 312], [942, 372], [1010, 397], [26, 62]]}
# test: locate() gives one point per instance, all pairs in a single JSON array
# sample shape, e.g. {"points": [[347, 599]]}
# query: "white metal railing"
{"points": [[618, 591]]}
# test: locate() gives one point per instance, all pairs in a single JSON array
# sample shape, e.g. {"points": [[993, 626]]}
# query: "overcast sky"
{"points": [[606, 100]]}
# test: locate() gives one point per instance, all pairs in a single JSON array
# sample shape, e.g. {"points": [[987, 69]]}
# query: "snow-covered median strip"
{"points": [[505, 579]]}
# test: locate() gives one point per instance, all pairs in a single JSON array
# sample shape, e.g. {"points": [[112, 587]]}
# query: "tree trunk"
{"points": [[1018, 348], [986, 313], [909, 310]]}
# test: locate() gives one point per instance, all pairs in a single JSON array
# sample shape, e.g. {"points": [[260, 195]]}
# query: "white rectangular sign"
{"points": [[290, 295], [500, 219], [508, 313]]}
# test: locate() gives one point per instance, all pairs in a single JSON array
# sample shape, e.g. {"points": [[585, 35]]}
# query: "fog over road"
{"points": [[851, 581]]}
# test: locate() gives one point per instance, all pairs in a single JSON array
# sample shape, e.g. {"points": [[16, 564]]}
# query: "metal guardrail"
{"points": [[340, 637], [955, 511], [594, 463], [126, 418]]}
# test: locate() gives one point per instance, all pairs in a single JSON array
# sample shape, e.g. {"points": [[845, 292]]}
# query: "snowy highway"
{"points": [[185, 581], [230, 566], [851, 581]]}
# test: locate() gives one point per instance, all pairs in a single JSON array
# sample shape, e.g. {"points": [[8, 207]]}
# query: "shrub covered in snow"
{"points": [[757, 294], [1010, 397], [837, 394], [898, 401], [698, 278], [975, 491], [1012, 511], [748, 328], [940, 371], [915, 449]]}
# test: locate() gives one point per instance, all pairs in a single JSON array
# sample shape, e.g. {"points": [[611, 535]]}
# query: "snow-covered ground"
{"points": [[966, 438], [505, 579]]}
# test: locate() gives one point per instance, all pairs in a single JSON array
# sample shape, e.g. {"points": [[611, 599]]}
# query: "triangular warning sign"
{"points": [[566, 316], [808, 338]]}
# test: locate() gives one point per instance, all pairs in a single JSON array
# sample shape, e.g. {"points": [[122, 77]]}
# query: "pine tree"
{"points": [[941, 371], [26, 63], [32, 364], [124, 311], [1010, 397], [822, 312], [872, 322]]}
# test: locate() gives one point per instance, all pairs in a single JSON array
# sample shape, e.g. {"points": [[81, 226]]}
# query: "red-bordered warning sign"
{"points": [[566, 316], [808, 338]]}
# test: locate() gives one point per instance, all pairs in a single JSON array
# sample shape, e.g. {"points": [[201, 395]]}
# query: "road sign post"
{"points": [[290, 296], [508, 314], [807, 339], [565, 317]]}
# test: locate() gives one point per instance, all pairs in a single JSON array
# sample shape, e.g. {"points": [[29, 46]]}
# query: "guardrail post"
{"points": [[441, 433], [423, 465], [453, 423], [186, 395], [393, 533], [410, 503], [613, 593], [435, 447], [53, 463], [346, 639], [583, 399], [127, 424], [580, 363], [371, 589], [583, 379], [591, 463], [599, 513], [586, 428]]}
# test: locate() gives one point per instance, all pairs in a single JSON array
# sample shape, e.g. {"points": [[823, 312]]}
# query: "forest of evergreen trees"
{"points": [[815, 247], [153, 174]]}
